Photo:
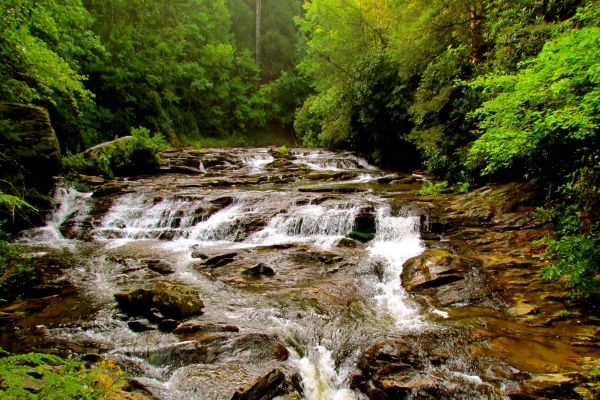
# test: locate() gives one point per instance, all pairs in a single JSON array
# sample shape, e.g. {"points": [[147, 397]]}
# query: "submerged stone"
{"points": [[259, 270]]}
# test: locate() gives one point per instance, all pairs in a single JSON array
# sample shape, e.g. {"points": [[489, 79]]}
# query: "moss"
{"points": [[361, 236], [36, 375]]}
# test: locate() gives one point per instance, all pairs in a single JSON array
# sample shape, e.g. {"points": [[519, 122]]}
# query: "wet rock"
{"points": [[219, 260], [40, 291], [348, 243], [258, 271], [361, 236], [222, 202], [172, 300], [134, 301], [91, 179], [263, 388], [108, 190], [183, 169], [31, 156], [167, 325], [198, 254], [433, 268], [195, 327], [176, 301], [364, 221], [140, 325], [446, 279], [160, 266]]}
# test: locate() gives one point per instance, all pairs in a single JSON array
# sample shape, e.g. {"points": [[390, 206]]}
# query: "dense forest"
{"points": [[469, 91]]}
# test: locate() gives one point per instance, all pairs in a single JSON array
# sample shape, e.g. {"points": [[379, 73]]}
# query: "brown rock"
{"points": [[263, 388]]}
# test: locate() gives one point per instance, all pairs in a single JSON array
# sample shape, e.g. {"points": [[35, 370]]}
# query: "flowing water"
{"points": [[328, 300]]}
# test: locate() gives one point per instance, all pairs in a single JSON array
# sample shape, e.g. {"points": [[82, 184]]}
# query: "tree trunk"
{"points": [[258, 15]]}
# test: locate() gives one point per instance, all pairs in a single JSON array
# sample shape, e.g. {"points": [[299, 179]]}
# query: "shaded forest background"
{"points": [[470, 91]]}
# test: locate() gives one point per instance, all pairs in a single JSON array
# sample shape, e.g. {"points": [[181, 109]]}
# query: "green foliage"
{"points": [[578, 258], [16, 271], [545, 118], [283, 151], [137, 155], [432, 189], [14, 204], [575, 252], [462, 187], [46, 376]]}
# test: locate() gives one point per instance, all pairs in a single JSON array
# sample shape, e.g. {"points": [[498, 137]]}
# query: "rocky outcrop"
{"points": [[171, 300], [29, 154], [445, 278]]}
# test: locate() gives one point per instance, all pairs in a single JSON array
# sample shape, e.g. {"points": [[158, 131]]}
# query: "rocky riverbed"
{"points": [[259, 274]]}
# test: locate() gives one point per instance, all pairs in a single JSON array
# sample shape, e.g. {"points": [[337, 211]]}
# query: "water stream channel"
{"points": [[286, 290]]}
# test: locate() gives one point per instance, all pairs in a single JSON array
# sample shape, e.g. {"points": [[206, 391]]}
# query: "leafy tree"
{"points": [[43, 45]]}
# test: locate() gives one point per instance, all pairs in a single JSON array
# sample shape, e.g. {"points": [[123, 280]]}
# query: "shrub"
{"points": [[140, 154], [577, 257], [430, 188]]}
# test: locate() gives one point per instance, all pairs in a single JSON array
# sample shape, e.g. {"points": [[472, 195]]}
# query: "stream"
{"points": [[262, 237]]}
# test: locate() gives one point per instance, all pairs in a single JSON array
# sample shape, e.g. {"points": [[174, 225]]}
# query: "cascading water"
{"points": [[315, 295], [70, 205], [396, 241]]}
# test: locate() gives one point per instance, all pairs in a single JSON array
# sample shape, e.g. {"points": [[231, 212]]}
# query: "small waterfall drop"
{"points": [[396, 241], [308, 223], [71, 206]]}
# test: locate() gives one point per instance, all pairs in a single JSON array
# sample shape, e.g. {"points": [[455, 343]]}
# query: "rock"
{"points": [[347, 243], [176, 301], [263, 388], [433, 268], [365, 221], [361, 236], [108, 190], [167, 325], [30, 156], [160, 266], [134, 301], [219, 260], [91, 179], [140, 325], [198, 254], [258, 271], [172, 300], [195, 327], [183, 169]]}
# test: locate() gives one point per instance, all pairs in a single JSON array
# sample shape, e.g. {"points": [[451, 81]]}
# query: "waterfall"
{"points": [[308, 223], [70, 206], [396, 241]]}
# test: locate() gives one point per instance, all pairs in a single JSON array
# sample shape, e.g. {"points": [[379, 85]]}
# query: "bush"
{"points": [[578, 258], [140, 154], [430, 188]]}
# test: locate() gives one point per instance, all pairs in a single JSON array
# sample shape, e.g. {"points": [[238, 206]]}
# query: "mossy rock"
{"points": [[361, 236]]}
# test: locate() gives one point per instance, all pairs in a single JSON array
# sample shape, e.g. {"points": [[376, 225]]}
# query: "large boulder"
{"points": [[172, 300], [29, 154], [445, 278]]}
